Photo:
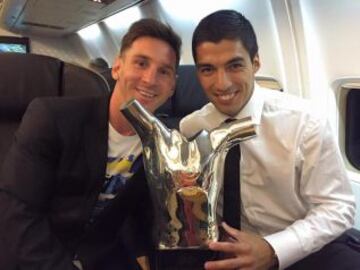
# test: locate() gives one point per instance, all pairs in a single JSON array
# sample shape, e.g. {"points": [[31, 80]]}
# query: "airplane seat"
{"points": [[26, 76], [188, 96], [80, 81], [108, 77]]}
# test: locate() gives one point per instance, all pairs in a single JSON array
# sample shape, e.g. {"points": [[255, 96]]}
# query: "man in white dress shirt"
{"points": [[296, 200]]}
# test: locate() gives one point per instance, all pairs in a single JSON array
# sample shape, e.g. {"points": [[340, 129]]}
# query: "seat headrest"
{"points": [[189, 95], [23, 78], [26, 76], [78, 81]]}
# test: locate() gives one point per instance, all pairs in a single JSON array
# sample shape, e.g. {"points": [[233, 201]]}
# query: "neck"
{"points": [[118, 120]]}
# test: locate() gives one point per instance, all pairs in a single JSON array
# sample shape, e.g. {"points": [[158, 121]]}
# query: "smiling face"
{"points": [[226, 74], [145, 71]]}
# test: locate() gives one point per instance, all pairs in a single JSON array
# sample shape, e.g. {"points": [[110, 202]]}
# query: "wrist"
{"points": [[274, 261]]}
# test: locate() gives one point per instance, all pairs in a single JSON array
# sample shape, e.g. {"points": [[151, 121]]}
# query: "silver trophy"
{"points": [[183, 176]]}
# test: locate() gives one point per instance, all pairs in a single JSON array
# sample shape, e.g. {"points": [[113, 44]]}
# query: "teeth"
{"points": [[146, 94], [226, 97]]}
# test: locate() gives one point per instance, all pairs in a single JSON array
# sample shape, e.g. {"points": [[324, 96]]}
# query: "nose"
{"points": [[149, 75], [223, 81]]}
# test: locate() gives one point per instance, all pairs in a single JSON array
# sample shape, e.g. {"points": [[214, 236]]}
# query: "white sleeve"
{"points": [[324, 185], [188, 126]]}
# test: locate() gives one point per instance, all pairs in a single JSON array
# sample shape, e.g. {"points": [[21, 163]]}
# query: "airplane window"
{"points": [[352, 127]]}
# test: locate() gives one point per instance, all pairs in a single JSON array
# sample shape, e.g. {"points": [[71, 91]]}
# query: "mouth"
{"points": [[227, 96], [145, 93]]}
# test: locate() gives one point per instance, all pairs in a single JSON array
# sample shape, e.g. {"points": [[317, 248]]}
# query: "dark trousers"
{"points": [[182, 259], [341, 254]]}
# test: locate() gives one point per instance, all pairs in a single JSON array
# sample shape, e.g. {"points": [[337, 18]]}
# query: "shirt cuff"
{"points": [[286, 246], [78, 264]]}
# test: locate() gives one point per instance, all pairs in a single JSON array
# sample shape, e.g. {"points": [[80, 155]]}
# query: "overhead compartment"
{"points": [[57, 18]]}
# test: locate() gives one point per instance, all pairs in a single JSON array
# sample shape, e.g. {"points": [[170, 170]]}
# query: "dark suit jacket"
{"points": [[50, 182]]}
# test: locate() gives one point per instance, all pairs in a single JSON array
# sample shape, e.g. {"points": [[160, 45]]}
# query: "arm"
{"points": [[325, 188], [27, 182]]}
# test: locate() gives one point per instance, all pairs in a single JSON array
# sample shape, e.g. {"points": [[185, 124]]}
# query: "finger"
{"points": [[229, 247], [222, 264], [232, 263], [144, 263], [230, 230]]}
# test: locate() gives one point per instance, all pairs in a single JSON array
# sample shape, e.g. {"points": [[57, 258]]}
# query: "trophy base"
{"points": [[165, 248], [183, 259]]}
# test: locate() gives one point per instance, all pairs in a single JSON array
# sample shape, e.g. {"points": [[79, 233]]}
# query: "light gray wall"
{"points": [[69, 48]]}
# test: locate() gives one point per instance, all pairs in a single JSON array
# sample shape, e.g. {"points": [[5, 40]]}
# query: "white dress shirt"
{"points": [[294, 188]]}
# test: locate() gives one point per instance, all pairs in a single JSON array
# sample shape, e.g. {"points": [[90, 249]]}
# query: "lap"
{"points": [[341, 254], [191, 259]]}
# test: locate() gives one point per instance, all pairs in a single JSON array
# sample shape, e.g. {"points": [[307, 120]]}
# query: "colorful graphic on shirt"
{"points": [[118, 171]]}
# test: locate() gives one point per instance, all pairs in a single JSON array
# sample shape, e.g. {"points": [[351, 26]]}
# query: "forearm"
{"points": [[323, 196], [305, 236]]}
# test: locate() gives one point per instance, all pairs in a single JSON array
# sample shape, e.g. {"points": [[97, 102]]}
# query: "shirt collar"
{"points": [[254, 106]]}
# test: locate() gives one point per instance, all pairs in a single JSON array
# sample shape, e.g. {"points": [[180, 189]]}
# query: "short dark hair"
{"points": [[225, 24], [155, 29]]}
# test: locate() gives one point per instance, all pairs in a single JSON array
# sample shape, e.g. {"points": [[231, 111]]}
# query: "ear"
{"points": [[256, 63], [172, 92], [116, 68], [173, 86]]}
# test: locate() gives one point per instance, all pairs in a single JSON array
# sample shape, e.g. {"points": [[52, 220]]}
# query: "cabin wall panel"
{"points": [[356, 189], [4, 32], [106, 41], [182, 16], [68, 48], [100, 44], [328, 48], [257, 11]]}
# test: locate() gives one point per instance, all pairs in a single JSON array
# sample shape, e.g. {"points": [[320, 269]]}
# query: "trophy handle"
{"points": [[227, 134]]}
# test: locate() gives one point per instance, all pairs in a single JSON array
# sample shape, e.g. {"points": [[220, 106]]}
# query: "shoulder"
{"points": [[301, 118], [198, 120], [275, 101]]}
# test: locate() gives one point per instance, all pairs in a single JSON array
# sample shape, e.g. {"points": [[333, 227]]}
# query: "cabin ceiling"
{"points": [[57, 17]]}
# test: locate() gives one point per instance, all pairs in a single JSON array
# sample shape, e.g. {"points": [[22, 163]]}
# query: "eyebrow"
{"points": [[231, 61], [198, 66], [236, 60], [167, 66]]}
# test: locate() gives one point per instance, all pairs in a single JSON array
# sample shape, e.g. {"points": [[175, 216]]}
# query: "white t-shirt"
{"points": [[122, 163]]}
